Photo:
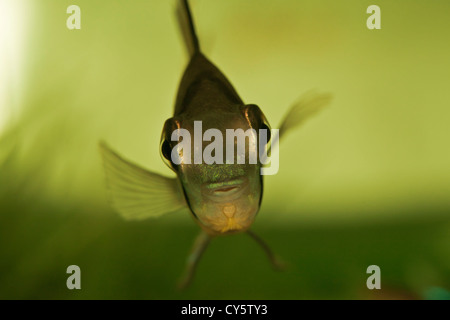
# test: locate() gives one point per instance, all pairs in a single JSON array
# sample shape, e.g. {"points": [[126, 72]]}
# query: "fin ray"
{"points": [[309, 104], [136, 193]]}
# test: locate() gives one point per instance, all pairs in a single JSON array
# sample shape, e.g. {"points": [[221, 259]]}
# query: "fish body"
{"points": [[223, 197]]}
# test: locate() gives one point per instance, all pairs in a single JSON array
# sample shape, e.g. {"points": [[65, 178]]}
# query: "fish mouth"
{"points": [[225, 190]]}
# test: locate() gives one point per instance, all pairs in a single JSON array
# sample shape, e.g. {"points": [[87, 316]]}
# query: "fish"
{"points": [[222, 198]]}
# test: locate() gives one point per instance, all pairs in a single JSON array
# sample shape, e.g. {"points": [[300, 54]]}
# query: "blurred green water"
{"points": [[144, 260], [365, 182]]}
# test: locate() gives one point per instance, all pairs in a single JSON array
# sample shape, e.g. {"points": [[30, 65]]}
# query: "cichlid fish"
{"points": [[222, 198]]}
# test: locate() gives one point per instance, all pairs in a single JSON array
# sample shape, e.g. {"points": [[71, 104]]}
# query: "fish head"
{"points": [[222, 188]]}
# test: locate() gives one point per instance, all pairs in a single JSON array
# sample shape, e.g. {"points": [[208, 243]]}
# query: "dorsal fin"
{"points": [[186, 24]]}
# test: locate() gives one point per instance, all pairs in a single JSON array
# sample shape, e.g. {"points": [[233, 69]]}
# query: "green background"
{"points": [[367, 181]]}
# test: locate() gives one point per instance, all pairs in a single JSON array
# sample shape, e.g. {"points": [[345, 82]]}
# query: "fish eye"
{"points": [[165, 149], [166, 152], [266, 127]]}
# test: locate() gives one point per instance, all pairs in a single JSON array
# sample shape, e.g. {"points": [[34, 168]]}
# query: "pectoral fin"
{"points": [[136, 193], [309, 104]]}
